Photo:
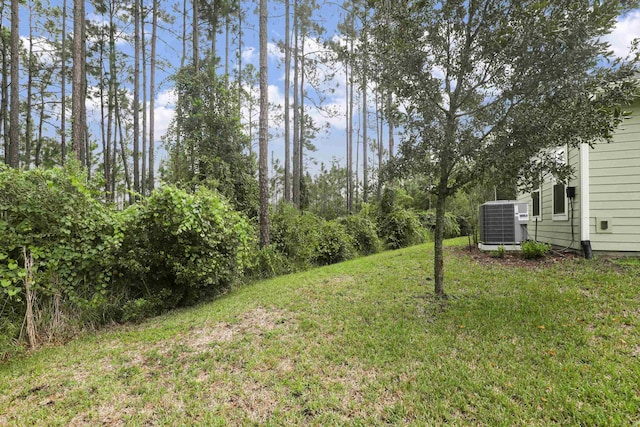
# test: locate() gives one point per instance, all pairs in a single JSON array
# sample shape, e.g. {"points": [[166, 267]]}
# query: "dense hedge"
{"points": [[56, 253], [69, 261], [178, 247]]}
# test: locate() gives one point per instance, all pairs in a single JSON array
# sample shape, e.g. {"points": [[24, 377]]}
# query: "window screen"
{"points": [[558, 199], [536, 203]]}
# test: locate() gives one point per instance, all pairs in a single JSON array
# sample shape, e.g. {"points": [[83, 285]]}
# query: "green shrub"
{"points": [[362, 232], [334, 244], [533, 250], [451, 223], [51, 217], [182, 246], [295, 235], [501, 252], [268, 262], [401, 228]]}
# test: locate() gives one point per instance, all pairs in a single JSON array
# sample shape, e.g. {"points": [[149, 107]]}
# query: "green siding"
{"points": [[557, 232], [615, 188], [614, 194]]}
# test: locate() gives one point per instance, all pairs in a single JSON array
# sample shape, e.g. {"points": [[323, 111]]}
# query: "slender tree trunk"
{"points": [[296, 111], [136, 97], [152, 100], [41, 122], [226, 44], [143, 168], [104, 137], [240, 61], [347, 134], [63, 85], [264, 115], [350, 167], [111, 100], [438, 259], [30, 296], [390, 123], [365, 166], [28, 131], [380, 148], [287, 90], [4, 103], [14, 136], [123, 151], [214, 31], [302, 138], [78, 93], [196, 37]]}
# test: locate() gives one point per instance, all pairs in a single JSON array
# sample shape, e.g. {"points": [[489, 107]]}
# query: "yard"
{"points": [[361, 343]]}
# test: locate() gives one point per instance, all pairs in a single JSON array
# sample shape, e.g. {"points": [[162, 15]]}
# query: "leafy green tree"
{"points": [[485, 85], [208, 146]]}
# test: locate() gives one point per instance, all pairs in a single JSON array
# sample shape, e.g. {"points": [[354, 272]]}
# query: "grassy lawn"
{"points": [[360, 343]]}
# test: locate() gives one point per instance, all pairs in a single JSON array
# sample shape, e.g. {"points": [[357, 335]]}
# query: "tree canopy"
{"points": [[484, 86]]}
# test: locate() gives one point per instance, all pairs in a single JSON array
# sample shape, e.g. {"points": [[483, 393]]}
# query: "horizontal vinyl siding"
{"points": [[615, 188], [557, 232]]}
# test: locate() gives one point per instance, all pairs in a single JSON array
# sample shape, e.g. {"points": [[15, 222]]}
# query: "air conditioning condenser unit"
{"points": [[503, 223]]}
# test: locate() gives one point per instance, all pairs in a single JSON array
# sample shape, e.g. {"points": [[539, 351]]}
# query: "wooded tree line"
{"points": [[86, 88], [476, 88]]}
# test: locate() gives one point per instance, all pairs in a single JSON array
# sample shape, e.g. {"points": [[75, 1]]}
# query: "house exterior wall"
{"points": [[614, 190], [551, 228]]}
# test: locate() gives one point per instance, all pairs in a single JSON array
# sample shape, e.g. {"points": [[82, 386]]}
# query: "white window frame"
{"points": [[564, 216], [562, 154], [533, 215]]}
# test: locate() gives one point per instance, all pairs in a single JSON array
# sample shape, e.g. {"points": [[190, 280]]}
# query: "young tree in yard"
{"points": [[486, 85], [263, 175]]}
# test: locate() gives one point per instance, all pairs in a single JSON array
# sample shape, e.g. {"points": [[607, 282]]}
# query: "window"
{"points": [[559, 208], [559, 205], [535, 209]]}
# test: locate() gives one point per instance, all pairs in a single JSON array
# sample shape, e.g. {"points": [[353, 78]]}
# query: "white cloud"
{"points": [[625, 31], [249, 55], [274, 51]]}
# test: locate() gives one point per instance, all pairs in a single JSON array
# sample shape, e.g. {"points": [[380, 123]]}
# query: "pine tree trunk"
{"points": [[196, 37], [264, 114], [296, 111], [347, 134], [78, 94], [391, 142], [123, 150], [111, 99], [143, 42], [14, 129], [105, 140], [63, 85], [301, 139], [4, 102], [365, 113], [136, 97], [365, 166], [28, 131], [152, 100], [287, 89]]}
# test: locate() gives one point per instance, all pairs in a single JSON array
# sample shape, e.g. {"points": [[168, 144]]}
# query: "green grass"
{"points": [[360, 343]]}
